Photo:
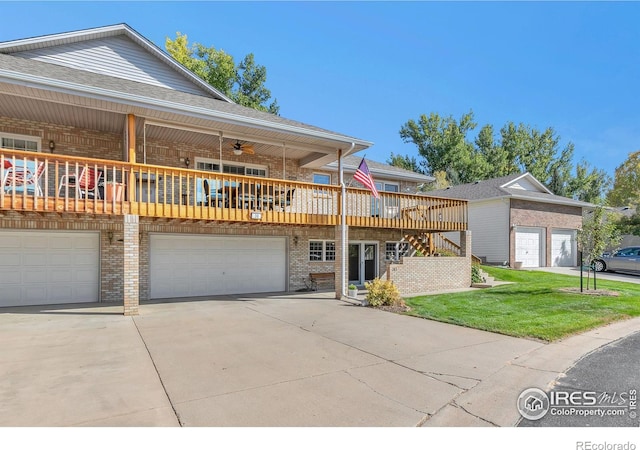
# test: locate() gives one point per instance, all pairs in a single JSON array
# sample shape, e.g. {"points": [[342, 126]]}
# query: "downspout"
{"points": [[343, 222]]}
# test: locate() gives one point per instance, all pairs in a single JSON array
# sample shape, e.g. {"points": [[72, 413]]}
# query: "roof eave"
{"points": [[133, 100]]}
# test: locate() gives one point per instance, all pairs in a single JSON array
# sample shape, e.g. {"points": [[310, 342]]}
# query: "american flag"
{"points": [[364, 176]]}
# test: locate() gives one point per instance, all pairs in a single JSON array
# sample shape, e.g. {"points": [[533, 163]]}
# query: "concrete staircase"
{"points": [[487, 281]]}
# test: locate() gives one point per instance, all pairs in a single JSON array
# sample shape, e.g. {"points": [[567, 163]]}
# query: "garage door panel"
{"points": [[216, 265], [528, 247], [563, 252], [45, 267]]}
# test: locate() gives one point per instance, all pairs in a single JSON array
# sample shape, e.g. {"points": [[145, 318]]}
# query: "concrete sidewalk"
{"points": [[283, 360], [575, 271]]}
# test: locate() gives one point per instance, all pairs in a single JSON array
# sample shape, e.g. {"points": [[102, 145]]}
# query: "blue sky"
{"points": [[365, 68]]}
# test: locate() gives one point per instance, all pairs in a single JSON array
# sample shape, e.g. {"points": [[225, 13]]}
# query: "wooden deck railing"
{"points": [[56, 183]]}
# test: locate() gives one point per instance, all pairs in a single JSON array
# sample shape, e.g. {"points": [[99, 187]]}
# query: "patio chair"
{"points": [[213, 196], [86, 185], [246, 195], [24, 178]]}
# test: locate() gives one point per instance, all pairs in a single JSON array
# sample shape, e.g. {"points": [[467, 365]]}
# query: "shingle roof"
{"points": [[489, 189], [80, 77], [351, 163]]}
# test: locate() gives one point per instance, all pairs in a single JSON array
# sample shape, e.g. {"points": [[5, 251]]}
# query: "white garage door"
{"points": [[195, 265], [563, 248], [529, 246], [46, 267]]}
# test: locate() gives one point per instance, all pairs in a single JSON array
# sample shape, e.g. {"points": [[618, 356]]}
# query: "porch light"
{"points": [[52, 146], [187, 161]]}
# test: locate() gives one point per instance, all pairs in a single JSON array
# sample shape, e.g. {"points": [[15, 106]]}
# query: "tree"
{"points": [[404, 162], [243, 83], [598, 232], [630, 224], [442, 142], [444, 146], [626, 185], [441, 182], [588, 184]]}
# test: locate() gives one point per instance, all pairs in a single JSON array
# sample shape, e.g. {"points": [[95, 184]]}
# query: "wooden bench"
{"points": [[314, 278]]}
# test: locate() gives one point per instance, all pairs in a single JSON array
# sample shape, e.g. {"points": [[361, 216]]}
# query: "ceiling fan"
{"points": [[240, 148]]}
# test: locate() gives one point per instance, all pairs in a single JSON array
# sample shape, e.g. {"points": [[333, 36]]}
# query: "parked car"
{"points": [[624, 260]]}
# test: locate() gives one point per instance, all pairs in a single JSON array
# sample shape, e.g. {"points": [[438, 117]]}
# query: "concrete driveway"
{"points": [[575, 271], [282, 360]]}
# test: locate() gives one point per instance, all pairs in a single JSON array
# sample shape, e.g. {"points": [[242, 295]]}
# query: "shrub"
{"points": [[475, 274], [383, 293]]}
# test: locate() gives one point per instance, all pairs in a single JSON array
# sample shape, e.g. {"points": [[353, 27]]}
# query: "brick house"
{"points": [[126, 178], [517, 219]]}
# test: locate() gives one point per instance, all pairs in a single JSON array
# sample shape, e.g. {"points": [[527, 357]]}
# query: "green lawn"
{"points": [[532, 306]]}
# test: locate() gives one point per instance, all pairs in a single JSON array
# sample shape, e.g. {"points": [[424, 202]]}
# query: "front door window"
{"points": [[362, 262]]}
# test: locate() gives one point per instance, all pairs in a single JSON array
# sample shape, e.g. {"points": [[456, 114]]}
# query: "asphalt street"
{"points": [[608, 377]]}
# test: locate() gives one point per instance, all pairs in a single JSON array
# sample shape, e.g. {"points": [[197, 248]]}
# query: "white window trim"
{"points": [[322, 174], [200, 159], [26, 137], [383, 184], [324, 250], [397, 255]]}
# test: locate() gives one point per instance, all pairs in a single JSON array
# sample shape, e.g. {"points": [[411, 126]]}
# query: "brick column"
{"points": [[131, 265], [465, 244], [466, 251], [341, 276]]}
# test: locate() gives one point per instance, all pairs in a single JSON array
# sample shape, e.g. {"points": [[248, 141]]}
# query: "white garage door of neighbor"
{"points": [[528, 245], [48, 267], [196, 265], [563, 248]]}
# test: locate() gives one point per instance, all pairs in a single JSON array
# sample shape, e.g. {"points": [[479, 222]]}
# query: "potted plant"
{"points": [[353, 290]]}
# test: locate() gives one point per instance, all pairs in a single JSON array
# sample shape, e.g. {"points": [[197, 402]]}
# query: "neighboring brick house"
{"points": [[517, 219], [126, 177]]}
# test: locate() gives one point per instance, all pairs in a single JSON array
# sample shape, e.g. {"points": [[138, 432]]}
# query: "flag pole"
{"points": [[343, 224]]}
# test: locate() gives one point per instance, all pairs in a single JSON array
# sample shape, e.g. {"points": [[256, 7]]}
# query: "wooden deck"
{"points": [[118, 188]]}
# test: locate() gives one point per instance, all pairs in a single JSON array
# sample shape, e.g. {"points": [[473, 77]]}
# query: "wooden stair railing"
{"points": [[417, 244], [444, 242]]}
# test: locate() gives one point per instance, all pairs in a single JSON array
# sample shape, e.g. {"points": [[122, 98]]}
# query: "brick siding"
{"points": [[417, 275], [542, 215]]}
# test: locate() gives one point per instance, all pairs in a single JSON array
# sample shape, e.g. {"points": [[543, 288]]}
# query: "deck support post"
{"points": [[341, 267], [131, 265]]}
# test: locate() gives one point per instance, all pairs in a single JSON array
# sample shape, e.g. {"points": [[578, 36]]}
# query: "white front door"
{"points": [[563, 248], [529, 246], [197, 265], [49, 267]]}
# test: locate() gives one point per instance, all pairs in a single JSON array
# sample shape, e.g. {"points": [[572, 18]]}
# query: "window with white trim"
{"points": [[20, 142], [213, 165], [395, 250], [321, 178], [383, 186], [322, 250]]}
